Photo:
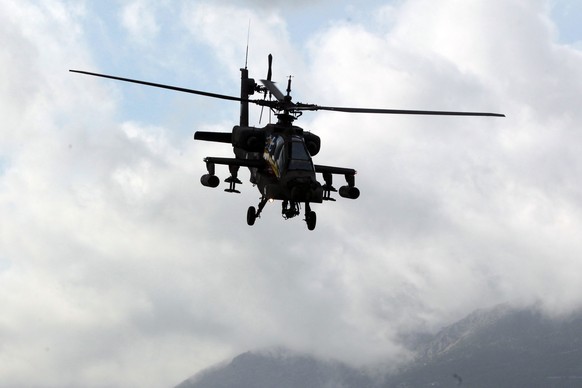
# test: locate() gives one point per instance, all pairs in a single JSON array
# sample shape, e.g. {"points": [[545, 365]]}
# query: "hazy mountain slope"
{"points": [[500, 347], [280, 369]]}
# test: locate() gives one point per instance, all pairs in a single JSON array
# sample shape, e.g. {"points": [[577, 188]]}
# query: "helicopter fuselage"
{"points": [[279, 158], [288, 172]]}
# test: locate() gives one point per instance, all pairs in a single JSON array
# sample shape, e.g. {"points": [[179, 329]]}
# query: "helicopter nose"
{"points": [[297, 193], [306, 190]]}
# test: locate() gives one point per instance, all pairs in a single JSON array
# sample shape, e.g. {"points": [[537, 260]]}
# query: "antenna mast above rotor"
{"points": [[247, 50], [244, 86]]}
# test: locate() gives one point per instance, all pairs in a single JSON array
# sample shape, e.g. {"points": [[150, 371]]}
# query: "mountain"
{"points": [[279, 368], [500, 347]]}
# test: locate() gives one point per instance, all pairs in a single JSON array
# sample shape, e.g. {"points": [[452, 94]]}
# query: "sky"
{"points": [[118, 269]]}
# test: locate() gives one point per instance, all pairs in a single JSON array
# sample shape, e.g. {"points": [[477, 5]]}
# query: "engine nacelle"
{"points": [[248, 138], [210, 180], [251, 86], [350, 192], [312, 142]]}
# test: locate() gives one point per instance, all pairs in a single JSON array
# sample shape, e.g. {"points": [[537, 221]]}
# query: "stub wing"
{"points": [[257, 163], [348, 191], [211, 180], [334, 170]]}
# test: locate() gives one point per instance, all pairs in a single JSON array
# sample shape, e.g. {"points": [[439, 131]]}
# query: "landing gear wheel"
{"points": [[311, 220], [251, 215]]}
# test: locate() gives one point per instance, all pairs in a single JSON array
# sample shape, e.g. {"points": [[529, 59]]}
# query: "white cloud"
{"points": [[139, 19], [119, 269], [498, 183]]}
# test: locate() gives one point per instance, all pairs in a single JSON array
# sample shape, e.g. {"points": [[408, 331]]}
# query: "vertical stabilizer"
{"points": [[244, 95]]}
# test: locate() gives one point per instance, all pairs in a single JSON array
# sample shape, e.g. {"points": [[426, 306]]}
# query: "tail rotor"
{"points": [[269, 75]]}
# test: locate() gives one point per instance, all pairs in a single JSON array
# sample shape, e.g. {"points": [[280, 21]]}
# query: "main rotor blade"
{"points": [[176, 88], [295, 107], [300, 106], [270, 85]]}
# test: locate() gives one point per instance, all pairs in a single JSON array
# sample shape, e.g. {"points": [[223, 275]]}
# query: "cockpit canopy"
{"points": [[288, 154], [299, 158]]}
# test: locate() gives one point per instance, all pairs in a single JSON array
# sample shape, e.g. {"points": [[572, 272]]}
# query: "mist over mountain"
{"points": [[499, 347], [279, 368]]}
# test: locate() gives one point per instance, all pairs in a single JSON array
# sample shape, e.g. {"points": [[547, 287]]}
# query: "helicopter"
{"points": [[279, 155]]}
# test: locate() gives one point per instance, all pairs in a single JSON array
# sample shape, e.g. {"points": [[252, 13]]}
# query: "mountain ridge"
{"points": [[499, 347]]}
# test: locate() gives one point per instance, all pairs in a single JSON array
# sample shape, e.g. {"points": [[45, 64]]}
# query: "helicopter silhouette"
{"points": [[280, 155]]}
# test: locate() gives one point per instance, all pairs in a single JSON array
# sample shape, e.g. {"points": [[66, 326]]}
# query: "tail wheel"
{"points": [[311, 220], [251, 215]]}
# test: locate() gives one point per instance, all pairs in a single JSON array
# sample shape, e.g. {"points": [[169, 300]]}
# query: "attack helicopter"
{"points": [[279, 156]]}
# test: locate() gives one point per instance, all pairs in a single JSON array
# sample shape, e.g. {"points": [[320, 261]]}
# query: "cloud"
{"points": [[225, 29], [450, 189], [119, 269], [140, 21]]}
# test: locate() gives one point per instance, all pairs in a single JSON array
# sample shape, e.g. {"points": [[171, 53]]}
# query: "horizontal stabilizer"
{"points": [[219, 137]]}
